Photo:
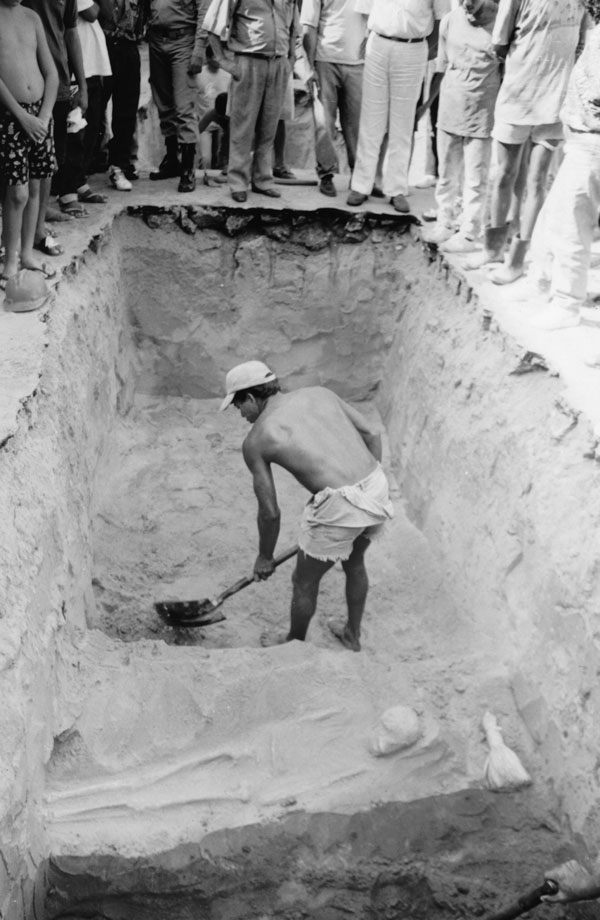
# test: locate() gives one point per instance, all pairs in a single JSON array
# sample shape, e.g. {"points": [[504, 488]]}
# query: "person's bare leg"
{"points": [[503, 182], [306, 578], [15, 200], [513, 217], [537, 175], [44, 198], [30, 216], [357, 587]]}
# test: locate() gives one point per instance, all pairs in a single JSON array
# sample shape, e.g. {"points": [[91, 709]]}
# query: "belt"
{"points": [[392, 38], [165, 32], [259, 54]]}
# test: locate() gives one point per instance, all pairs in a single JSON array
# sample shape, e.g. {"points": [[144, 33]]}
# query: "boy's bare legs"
{"points": [[537, 175], [30, 217], [357, 586], [305, 580], [507, 169], [508, 158], [15, 201]]}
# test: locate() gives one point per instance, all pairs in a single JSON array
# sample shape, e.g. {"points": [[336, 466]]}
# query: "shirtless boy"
{"points": [[28, 86], [332, 451]]}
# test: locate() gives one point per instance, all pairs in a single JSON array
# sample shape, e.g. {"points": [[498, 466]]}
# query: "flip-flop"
{"points": [[90, 197], [47, 272], [73, 208], [57, 217], [48, 246]]}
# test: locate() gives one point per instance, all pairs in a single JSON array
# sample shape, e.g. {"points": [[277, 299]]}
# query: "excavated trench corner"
{"points": [[211, 772]]}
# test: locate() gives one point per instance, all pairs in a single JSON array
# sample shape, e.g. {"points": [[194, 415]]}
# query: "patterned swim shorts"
{"points": [[21, 158]]}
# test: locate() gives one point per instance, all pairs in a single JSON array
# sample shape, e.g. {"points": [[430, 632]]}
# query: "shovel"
{"points": [[202, 613], [527, 901]]}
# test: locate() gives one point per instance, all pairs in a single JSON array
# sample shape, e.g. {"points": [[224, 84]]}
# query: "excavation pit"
{"points": [[207, 771]]}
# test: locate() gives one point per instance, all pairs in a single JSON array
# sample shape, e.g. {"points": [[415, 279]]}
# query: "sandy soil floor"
{"points": [[176, 519]]}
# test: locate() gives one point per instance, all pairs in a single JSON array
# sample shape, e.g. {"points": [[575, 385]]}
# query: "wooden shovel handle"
{"points": [[249, 579], [527, 901]]}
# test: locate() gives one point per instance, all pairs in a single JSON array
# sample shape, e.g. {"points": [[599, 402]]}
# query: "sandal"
{"points": [[44, 269], [48, 245], [73, 208], [56, 217], [91, 197]]}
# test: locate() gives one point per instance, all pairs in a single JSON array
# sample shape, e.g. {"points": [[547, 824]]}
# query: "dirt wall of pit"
{"points": [[502, 476], [47, 474], [471, 440]]}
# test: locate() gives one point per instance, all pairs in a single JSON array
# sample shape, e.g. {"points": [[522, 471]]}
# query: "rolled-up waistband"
{"points": [[392, 38]]}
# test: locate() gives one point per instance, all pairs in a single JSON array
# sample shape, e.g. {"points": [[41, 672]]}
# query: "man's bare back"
{"points": [[315, 436], [19, 68]]}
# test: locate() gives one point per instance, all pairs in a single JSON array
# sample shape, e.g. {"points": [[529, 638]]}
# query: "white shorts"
{"points": [[548, 136]]}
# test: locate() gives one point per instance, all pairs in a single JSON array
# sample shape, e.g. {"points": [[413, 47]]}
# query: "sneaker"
{"points": [[555, 317], [118, 180], [427, 181], [326, 186], [459, 242], [592, 359], [441, 233], [430, 215]]}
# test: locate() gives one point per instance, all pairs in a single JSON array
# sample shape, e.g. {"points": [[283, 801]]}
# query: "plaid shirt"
{"points": [[130, 19]]}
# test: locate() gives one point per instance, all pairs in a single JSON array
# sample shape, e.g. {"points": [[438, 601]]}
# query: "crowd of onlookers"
{"points": [[503, 82]]}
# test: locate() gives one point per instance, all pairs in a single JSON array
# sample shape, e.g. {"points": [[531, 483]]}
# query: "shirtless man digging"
{"points": [[28, 86], [332, 451]]}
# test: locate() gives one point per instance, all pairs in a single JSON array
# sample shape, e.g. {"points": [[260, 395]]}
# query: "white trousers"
{"points": [[392, 81], [469, 157], [563, 234]]}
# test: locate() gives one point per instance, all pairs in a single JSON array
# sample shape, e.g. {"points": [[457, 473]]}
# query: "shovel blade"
{"points": [[189, 613]]}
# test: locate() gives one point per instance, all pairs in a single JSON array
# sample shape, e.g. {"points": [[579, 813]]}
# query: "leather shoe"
{"points": [[269, 191], [377, 192], [399, 203], [355, 198], [326, 186], [239, 196]]}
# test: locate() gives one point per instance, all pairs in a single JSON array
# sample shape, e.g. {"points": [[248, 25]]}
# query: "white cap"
{"points": [[244, 376]]}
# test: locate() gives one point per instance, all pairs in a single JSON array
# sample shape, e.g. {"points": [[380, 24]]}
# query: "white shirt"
{"points": [[341, 31], [402, 18], [96, 62], [542, 36]]}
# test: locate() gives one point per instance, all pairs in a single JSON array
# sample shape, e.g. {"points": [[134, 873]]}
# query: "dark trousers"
{"points": [[173, 88], [61, 182], [81, 146], [125, 64]]}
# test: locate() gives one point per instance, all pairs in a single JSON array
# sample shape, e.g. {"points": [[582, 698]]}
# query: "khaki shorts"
{"points": [[548, 136]]}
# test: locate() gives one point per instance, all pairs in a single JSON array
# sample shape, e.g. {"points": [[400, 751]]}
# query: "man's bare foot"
{"points": [[344, 635], [269, 639]]}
